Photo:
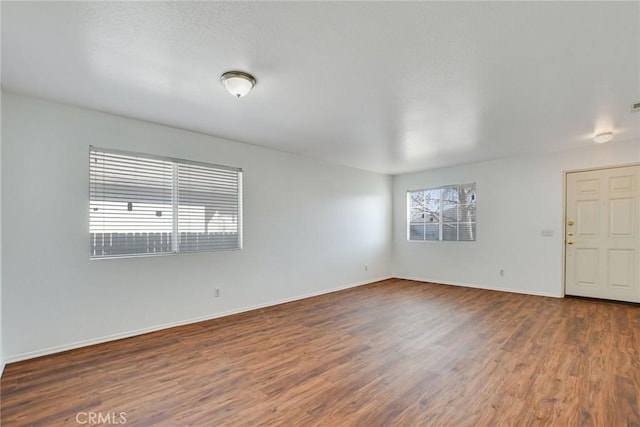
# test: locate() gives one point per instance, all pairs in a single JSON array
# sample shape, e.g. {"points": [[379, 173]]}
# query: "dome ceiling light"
{"points": [[601, 138], [238, 83]]}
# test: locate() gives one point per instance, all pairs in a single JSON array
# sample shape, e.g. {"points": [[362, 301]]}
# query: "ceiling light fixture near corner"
{"points": [[601, 138], [238, 83]]}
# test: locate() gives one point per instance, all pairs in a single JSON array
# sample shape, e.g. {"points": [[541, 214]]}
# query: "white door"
{"points": [[602, 234]]}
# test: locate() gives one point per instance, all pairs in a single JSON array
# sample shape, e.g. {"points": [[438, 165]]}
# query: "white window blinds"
{"points": [[145, 205], [442, 214], [208, 208]]}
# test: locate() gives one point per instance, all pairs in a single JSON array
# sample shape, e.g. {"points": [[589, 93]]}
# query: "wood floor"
{"points": [[391, 353]]}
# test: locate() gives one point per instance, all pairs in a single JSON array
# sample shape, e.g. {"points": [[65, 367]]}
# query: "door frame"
{"points": [[564, 214]]}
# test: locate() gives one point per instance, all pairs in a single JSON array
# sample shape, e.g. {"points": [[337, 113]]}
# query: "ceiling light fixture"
{"points": [[601, 138], [238, 83]]}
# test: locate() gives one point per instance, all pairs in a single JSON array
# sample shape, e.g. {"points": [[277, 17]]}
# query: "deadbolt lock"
{"points": [[570, 222]]}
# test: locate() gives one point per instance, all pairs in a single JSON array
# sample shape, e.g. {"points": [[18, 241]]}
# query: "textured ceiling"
{"points": [[383, 86]]}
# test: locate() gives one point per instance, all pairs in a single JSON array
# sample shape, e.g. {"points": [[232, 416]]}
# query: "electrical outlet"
{"points": [[217, 293]]}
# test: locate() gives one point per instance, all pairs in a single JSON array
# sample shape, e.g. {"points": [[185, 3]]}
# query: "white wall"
{"points": [[309, 227], [1, 323], [517, 198], [2, 359]]}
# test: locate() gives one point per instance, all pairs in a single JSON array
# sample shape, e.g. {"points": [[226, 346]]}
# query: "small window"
{"points": [[442, 214], [148, 205]]}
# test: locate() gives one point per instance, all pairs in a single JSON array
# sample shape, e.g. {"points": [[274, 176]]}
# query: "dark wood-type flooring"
{"points": [[395, 352]]}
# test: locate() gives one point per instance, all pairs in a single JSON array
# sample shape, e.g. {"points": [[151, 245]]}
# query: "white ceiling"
{"points": [[383, 86]]}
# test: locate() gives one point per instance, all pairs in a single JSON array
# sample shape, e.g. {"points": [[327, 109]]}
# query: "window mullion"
{"points": [[424, 215], [175, 246], [458, 213], [441, 213]]}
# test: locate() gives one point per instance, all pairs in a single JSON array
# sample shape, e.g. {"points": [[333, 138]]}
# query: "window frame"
{"points": [[441, 222], [175, 219]]}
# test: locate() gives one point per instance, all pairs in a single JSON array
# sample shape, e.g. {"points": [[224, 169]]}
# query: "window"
{"points": [[445, 213], [148, 205]]}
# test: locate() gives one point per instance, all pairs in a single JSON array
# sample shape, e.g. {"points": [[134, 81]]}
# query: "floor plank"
{"points": [[395, 352]]}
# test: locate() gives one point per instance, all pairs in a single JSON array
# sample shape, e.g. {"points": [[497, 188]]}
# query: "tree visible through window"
{"points": [[442, 214]]}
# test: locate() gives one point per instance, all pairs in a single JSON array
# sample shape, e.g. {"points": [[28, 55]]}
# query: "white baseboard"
{"points": [[2, 365], [114, 337], [468, 285]]}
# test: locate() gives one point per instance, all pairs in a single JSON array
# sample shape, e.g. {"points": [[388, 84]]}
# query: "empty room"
{"points": [[320, 213]]}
